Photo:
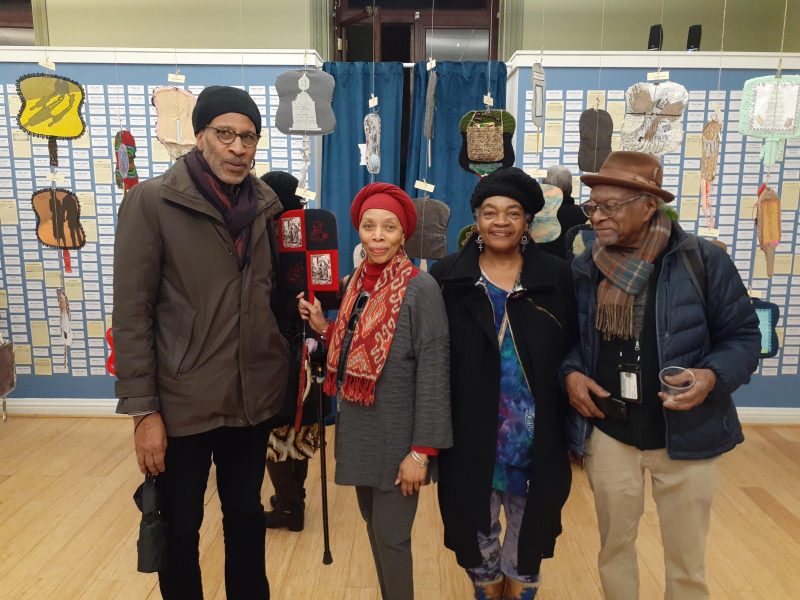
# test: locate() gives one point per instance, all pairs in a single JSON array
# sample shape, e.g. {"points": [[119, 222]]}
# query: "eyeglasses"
{"points": [[608, 210], [226, 136]]}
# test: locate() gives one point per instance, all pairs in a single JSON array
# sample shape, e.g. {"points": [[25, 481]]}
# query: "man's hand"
{"points": [[410, 476], [704, 382], [150, 440], [578, 388]]}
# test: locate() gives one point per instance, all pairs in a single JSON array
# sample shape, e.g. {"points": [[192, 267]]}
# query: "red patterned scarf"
{"points": [[373, 334]]}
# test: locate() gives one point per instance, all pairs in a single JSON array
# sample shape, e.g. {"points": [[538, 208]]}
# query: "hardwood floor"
{"points": [[68, 527]]}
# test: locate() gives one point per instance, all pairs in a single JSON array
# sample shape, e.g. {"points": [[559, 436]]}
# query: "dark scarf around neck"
{"points": [[236, 204]]}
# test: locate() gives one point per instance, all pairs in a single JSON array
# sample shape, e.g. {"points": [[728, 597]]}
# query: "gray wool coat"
{"points": [[412, 396]]}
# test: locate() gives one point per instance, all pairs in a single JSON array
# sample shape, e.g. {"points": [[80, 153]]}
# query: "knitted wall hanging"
{"points": [[486, 141], [372, 135], [653, 117], [174, 129], [125, 173], [51, 109], [546, 227], [430, 238], [595, 126], [58, 214], [771, 110]]}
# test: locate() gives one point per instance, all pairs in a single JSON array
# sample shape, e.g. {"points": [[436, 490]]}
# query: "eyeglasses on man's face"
{"points": [[608, 210], [226, 136]]}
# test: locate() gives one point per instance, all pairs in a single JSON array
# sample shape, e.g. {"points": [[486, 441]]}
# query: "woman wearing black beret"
{"points": [[512, 317]]}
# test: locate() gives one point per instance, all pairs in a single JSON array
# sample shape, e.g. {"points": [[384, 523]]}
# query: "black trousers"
{"points": [[289, 477], [239, 454]]}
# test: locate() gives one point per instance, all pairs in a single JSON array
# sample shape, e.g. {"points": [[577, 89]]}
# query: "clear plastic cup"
{"points": [[675, 381]]}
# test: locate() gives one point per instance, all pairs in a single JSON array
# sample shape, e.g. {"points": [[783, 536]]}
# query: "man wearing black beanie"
{"points": [[201, 364]]}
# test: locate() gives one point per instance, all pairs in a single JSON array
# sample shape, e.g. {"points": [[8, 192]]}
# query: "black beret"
{"points": [[511, 183], [218, 100], [284, 185]]}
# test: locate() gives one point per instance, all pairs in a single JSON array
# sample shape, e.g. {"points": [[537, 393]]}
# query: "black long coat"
{"points": [[543, 319]]}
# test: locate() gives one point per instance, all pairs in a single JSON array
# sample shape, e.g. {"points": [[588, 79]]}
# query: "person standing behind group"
{"points": [[512, 317], [652, 296], [388, 365], [568, 214], [201, 364]]}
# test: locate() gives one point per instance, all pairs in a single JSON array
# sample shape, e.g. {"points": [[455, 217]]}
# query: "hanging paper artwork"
{"points": [[305, 102], [430, 238], [66, 322], [372, 134], [711, 139], [768, 221], [125, 150], [430, 106], [771, 110], [595, 126], [51, 109], [768, 314], [486, 141], [537, 102], [653, 117], [174, 129], [308, 244], [58, 214], [546, 226]]}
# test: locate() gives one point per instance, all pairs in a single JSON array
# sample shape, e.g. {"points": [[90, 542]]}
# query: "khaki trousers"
{"points": [[682, 490]]}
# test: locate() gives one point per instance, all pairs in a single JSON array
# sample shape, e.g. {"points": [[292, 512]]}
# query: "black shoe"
{"points": [[293, 520]]}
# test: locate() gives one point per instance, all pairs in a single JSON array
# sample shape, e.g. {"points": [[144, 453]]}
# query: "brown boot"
{"points": [[489, 590], [518, 590]]}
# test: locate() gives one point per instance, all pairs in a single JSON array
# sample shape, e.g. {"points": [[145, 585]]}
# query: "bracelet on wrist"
{"points": [[421, 460]]}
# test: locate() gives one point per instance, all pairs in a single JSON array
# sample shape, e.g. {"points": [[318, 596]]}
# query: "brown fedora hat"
{"points": [[634, 170]]}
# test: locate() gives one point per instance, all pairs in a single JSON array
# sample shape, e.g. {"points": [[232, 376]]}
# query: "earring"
{"points": [[253, 164], [480, 243], [524, 242]]}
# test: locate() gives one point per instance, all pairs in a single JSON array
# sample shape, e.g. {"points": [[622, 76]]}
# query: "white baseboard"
{"points": [[62, 407], [754, 415], [75, 407]]}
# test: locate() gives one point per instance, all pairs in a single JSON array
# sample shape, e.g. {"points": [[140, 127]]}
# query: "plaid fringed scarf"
{"points": [[626, 274], [374, 332], [237, 207]]}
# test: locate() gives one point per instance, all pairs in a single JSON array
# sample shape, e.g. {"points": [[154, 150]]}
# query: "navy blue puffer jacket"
{"points": [[722, 336]]}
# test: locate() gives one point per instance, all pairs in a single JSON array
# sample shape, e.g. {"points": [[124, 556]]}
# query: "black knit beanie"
{"points": [[221, 99], [512, 183], [285, 186]]}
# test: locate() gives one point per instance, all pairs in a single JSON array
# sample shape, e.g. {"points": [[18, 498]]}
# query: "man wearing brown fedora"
{"points": [[651, 296]]}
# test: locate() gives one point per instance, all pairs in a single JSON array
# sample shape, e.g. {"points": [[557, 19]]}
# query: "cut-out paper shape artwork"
{"points": [[125, 150], [58, 214], [305, 102], [768, 221], [546, 226], [595, 126], [308, 255], [430, 238], [768, 314], [771, 110], [66, 322], [653, 117], [51, 109], [174, 129], [711, 139], [537, 101]]}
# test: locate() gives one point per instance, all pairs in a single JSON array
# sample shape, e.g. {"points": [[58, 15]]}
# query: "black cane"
{"points": [[319, 378]]}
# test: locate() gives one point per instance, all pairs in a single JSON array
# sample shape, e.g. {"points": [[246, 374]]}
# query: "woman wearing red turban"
{"points": [[388, 364]]}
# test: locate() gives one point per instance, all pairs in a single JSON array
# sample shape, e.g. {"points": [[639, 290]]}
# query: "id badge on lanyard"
{"points": [[630, 380]]}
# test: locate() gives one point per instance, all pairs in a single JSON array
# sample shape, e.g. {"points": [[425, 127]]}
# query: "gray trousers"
{"points": [[389, 517]]}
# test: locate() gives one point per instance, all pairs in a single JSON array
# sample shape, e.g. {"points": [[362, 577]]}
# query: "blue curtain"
{"points": [[342, 176], [460, 88]]}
